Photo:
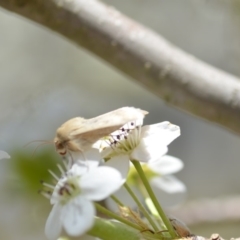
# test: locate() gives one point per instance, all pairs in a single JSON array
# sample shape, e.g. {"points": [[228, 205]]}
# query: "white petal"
{"points": [[53, 225], [78, 169], [166, 132], [121, 163], [169, 184], [92, 156], [92, 163], [107, 151], [166, 165], [78, 216], [146, 153], [100, 182], [4, 155]]}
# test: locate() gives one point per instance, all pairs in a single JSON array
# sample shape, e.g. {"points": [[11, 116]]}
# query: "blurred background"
{"points": [[45, 80]]}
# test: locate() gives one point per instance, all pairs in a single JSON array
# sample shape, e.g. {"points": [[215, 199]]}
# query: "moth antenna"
{"points": [[36, 148], [43, 142]]}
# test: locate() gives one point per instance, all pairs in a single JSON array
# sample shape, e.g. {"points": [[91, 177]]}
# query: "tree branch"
{"points": [[175, 76], [207, 210]]}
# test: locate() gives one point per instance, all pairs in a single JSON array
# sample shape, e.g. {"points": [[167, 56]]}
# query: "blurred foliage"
{"points": [[235, 7], [226, 229], [31, 168]]}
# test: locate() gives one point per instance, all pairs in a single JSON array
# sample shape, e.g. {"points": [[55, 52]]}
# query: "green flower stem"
{"points": [[141, 207], [143, 190], [116, 200], [116, 216], [109, 230], [154, 211], [160, 211]]}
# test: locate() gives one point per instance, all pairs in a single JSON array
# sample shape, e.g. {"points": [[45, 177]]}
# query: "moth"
{"points": [[79, 134]]}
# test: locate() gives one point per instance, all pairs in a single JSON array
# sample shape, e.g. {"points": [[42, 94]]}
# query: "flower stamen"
{"points": [[46, 194], [47, 185], [123, 141], [54, 175], [61, 169]]}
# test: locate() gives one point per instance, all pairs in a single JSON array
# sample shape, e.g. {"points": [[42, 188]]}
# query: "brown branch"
{"points": [[175, 76], [209, 210]]}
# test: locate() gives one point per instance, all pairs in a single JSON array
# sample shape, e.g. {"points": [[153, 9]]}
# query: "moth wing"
{"points": [[70, 126], [109, 122], [94, 135]]}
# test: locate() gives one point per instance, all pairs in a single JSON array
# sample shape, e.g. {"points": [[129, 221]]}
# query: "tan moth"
{"points": [[79, 134]]}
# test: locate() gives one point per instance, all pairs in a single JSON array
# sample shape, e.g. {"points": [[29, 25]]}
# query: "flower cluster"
{"points": [[130, 156]]}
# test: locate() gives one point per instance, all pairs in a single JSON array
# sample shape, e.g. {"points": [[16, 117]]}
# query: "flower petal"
{"points": [[78, 216], [53, 225], [165, 131], [121, 163], [166, 165], [100, 182], [92, 156], [78, 169], [147, 152], [169, 184], [4, 155]]}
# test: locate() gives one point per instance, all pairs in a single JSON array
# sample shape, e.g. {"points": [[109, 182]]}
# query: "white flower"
{"points": [[4, 155], [73, 195], [161, 174], [145, 144], [167, 188]]}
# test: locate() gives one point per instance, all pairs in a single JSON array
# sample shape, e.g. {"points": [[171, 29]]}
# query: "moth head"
{"points": [[61, 146], [65, 145]]}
